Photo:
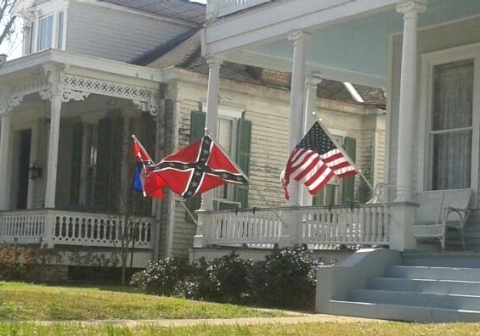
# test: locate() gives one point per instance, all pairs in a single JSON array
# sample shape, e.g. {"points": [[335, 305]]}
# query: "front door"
{"points": [[23, 168]]}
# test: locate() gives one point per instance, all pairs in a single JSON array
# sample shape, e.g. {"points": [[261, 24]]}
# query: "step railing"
{"points": [[56, 227], [362, 225]]}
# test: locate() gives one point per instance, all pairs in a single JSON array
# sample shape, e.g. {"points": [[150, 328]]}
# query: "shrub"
{"points": [[285, 279], [223, 279], [162, 277], [23, 263]]}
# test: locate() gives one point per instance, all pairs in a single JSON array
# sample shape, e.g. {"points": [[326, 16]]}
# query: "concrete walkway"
{"points": [[301, 318]]}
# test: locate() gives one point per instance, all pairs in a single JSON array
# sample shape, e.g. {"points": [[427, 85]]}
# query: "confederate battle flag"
{"points": [[198, 168]]}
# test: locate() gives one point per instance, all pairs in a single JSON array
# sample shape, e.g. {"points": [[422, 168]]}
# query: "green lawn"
{"points": [[25, 302], [330, 329], [22, 302]]}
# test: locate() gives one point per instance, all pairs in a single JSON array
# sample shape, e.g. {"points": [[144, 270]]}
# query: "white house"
{"points": [[94, 72], [425, 55]]}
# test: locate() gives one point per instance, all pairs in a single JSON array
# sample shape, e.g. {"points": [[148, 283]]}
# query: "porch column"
{"points": [[297, 96], [212, 114], [408, 78], [5, 143], [55, 106], [312, 82]]}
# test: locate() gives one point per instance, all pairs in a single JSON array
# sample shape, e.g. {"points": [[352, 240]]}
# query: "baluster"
{"points": [[149, 232], [69, 225], [374, 225], [381, 224], [75, 227]]}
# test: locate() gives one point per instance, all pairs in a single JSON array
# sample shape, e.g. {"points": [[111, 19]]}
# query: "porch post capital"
{"points": [[312, 80], [298, 36], [411, 9], [214, 61]]}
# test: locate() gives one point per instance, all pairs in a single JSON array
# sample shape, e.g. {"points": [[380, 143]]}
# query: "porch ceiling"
{"points": [[356, 50]]}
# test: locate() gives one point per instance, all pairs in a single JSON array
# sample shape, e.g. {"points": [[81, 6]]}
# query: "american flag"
{"points": [[314, 161]]}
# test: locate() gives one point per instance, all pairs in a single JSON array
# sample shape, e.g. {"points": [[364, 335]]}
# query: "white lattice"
{"points": [[36, 83], [79, 88], [144, 98]]}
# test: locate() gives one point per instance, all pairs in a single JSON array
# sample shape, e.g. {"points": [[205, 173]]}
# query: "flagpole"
{"points": [[340, 148], [143, 162]]}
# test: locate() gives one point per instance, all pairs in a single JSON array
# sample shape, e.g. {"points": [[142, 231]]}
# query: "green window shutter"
{"points": [[197, 130], [197, 125], [348, 193], [244, 136]]}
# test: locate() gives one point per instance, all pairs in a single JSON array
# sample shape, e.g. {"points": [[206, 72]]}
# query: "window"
{"points": [[449, 120], [328, 195], [45, 34], [451, 125], [234, 134], [225, 133]]}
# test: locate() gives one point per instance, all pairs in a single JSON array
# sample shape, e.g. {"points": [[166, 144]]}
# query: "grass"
{"points": [[331, 329], [25, 302]]}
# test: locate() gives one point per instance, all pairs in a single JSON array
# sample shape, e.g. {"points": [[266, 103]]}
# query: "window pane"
{"points": [[32, 37], [45, 37], [60, 31], [453, 95], [225, 135], [452, 157], [225, 141], [330, 194]]}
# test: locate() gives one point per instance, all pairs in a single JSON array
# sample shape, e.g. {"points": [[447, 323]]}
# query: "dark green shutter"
{"points": [[244, 136], [197, 130], [348, 193], [197, 125]]}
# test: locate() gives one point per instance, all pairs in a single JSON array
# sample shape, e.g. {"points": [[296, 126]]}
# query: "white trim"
{"points": [[389, 109], [429, 60]]}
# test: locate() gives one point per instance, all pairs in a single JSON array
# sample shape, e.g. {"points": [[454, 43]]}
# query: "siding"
{"points": [[109, 33]]}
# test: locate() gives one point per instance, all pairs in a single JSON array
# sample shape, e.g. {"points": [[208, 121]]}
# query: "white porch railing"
{"points": [[55, 227], [360, 225], [219, 8]]}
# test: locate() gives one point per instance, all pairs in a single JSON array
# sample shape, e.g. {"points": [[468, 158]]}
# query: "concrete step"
{"points": [[433, 273], [425, 286], [402, 312], [431, 300], [443, 259]]}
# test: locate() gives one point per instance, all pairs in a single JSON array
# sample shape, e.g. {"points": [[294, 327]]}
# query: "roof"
{"points": [[176, 9], [185, 52]]}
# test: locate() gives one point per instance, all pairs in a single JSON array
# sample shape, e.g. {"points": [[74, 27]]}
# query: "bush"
{"points": [[285, 279], [223, 279], [32, 264], [162, 277]]}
